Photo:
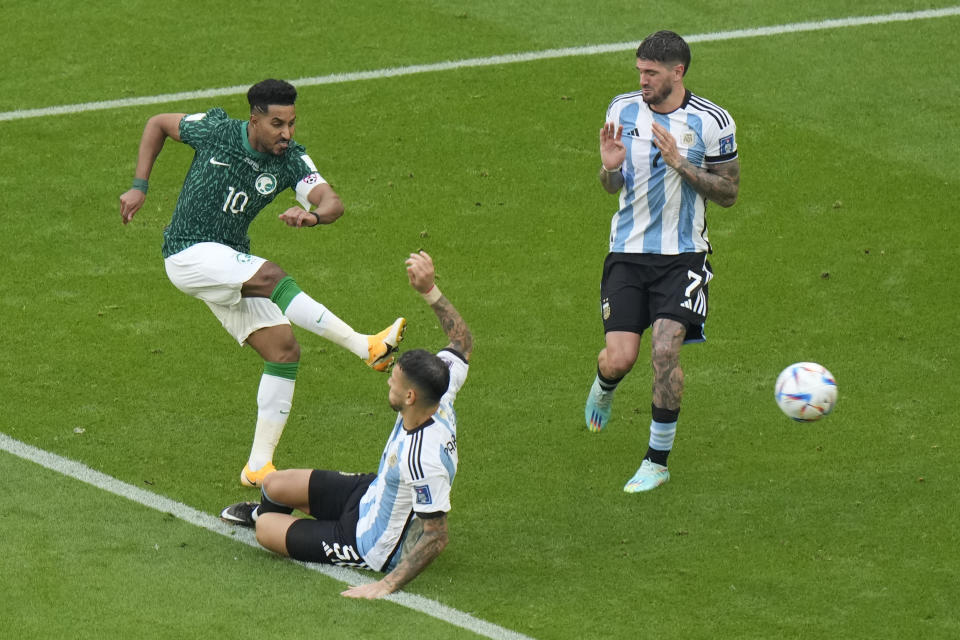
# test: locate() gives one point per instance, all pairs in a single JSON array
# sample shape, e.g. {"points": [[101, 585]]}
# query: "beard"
{"points": [[657, 97]]}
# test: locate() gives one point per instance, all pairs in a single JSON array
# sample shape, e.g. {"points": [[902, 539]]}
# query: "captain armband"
{"points": [[305, 186]]}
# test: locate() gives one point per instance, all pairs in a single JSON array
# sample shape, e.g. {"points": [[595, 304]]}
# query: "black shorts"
{"points": [[329, 536], [636, 289]]}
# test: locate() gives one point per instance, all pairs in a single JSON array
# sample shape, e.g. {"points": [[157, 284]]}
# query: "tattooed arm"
{"points": [[421, 273], [426, 549], [461, 340], [718, 182]]}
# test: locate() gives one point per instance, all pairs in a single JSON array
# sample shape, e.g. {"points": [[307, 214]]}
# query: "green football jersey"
{"points": [[229, 182]]}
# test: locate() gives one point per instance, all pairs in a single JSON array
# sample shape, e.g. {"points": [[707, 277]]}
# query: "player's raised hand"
{"points": [[667, 145], [130, 203], [420, 271], [612, 150]]}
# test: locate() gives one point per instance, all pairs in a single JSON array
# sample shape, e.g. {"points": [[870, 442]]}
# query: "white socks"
{"points": [[274, 399], [309, 314]]}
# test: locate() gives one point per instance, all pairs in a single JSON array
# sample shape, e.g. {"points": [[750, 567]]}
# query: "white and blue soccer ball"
{"points": [[806, 391]]}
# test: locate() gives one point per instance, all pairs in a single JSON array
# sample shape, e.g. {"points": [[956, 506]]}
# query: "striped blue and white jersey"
{"points": [[415, 476], [660, 213]]}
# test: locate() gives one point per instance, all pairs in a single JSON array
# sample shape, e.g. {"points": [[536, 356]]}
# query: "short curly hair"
{"points": [[665, 47]]}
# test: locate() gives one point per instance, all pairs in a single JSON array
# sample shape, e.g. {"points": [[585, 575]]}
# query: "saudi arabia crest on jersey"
{"points": [[266, 184]]}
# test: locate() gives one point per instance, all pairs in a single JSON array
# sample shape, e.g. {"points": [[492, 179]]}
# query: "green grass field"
{"points": [[841, 250]]}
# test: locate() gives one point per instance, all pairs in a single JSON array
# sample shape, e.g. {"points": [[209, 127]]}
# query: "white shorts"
{"points": [[215, 273]]}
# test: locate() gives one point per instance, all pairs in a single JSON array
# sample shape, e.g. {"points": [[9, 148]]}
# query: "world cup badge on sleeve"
{"points": [[423, 493], [727, 145]]}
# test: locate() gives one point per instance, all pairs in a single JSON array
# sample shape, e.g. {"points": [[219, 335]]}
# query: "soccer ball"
{"points": [[806, 391]]}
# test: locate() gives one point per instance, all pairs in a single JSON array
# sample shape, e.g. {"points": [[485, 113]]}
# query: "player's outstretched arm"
{"points": [[427, 548], [327, 208], [157, 130], [421, 273]]}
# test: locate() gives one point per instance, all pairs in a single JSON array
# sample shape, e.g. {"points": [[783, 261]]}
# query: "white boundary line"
{"points": [[78, 471], [511, 58]]}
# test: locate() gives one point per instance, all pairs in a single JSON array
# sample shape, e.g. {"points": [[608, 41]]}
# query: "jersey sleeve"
{"points": [[195, 128], [458, 372], [721, 141], [616, 107], [431, 494], [613, 112]]}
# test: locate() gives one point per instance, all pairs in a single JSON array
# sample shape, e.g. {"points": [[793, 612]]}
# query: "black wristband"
{"points": [[315, 216]]}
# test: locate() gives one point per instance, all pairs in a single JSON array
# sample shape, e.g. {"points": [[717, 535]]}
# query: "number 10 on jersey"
{"points": [[236, 201]]}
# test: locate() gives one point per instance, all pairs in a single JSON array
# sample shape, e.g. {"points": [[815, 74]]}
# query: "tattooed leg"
{"points": [[667, 338]]}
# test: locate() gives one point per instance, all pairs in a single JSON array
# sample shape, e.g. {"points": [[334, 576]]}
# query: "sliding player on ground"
{"points": [[394, 520]]}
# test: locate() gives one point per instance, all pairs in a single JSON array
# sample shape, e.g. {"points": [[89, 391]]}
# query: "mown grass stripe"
{"points": [[512, 58]]}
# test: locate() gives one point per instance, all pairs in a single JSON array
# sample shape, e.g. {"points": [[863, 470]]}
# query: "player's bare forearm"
{"points": [[157, 130], [454, 326], [428, 547], [327, 205], [329, 210], [719, 183], [423, 279], [155, 133], [612, 181]]}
